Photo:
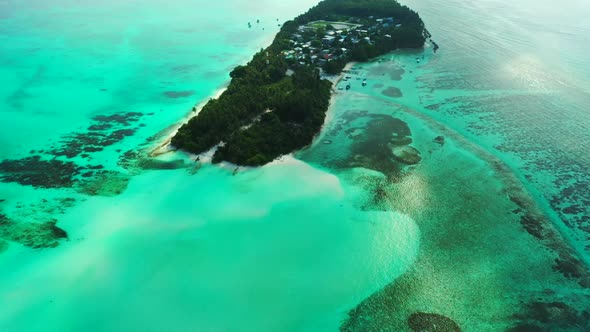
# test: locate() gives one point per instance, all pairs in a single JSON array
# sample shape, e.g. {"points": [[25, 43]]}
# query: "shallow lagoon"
{"points": [[213, 251], [292, 246]]}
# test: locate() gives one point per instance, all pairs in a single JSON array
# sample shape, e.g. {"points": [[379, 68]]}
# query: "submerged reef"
{"points": [[440, 140], [179, 94], [504, 267], [378, 142], [33, 223], [392, 92], [104, 183], [53, 168], [548, 164], [407, 155], [427, 322], [67, 165], [134, 161], [34, 235], [391, 69], [36, 172], [539, 226], [89, 179], [390, 312], [56, 168], [551, 316], [104, 130]]}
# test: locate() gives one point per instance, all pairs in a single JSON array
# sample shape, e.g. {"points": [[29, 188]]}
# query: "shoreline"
{"points": [[164, 146], [330, 113], [335, 79]]}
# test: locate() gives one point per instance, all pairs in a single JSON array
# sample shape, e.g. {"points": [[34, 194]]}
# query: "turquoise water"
{"points": [[175, 259], [528, 91], [340, 235]]}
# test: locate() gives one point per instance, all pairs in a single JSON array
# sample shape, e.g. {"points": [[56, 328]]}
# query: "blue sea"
{"points": [[489, 231]]}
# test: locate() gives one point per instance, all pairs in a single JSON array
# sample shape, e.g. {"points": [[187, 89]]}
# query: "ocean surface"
{"points": [[488, 230]]}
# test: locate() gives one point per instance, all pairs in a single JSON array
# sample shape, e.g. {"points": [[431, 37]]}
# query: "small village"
{"points": [[320, 42]]}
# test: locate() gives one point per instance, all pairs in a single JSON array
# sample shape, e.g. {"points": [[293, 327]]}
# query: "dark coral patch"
{"points": [[427, 322], [100, 127], [392, 92], [90, 149], [137, 160], [33, 171], [525, 327], [439, 140], [552, 316], [123, 119], [32, 235], [370, 139], [372, 150], [393, 70], [573, 209], [155, 164], [572, 268], [406, 155], [532, 225], [554, 312], [541, 228], [92, 141], [179, 94], [104, 183], [118, 135]]}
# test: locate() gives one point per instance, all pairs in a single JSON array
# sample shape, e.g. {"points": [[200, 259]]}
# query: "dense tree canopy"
{"points": [[265, 113]]}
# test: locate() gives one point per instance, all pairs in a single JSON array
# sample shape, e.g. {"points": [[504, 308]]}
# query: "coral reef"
{"points": [[33, 235]]}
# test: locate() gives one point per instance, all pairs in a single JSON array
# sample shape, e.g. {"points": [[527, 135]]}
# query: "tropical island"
{"points": [[277, 103]]}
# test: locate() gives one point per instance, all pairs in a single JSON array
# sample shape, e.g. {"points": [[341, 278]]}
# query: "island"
{"points": [[277, 103]]}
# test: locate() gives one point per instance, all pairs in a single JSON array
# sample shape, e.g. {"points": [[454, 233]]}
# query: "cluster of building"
{"points": [[308, 47]]}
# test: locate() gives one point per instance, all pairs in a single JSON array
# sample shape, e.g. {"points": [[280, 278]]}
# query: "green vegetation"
{"points": [[277, 102]]}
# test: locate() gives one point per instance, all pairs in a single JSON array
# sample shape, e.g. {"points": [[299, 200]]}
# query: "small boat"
{"points": [[348, 87]]}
